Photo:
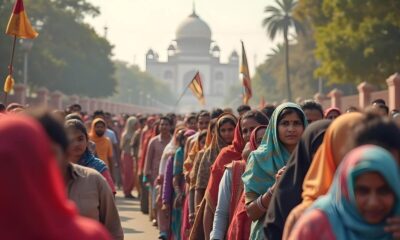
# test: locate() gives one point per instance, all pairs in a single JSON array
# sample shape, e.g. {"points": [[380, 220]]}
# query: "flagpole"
{"points": [[184, 91], [10, 67]]}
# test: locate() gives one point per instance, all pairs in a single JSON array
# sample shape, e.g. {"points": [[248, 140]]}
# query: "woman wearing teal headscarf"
{"points": [[364, 194], [281, 137]]}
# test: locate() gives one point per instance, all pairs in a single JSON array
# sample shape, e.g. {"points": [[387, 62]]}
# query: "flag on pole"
{"points": [[19, 24], [197, 88], [246, 81], [8, 84]]}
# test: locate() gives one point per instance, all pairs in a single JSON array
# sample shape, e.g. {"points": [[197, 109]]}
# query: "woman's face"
{"points": [[226, 132], [259, 136], [248, 125], [290, 129], [78, 143], [374, 198], [332, 115]]}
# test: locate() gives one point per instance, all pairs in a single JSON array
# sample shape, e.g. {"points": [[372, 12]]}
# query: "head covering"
{"points": [[203, 175], [253, 138], [265, 162], [169, 150], [189, 133], [92, 133], [89, 160], [217, 143], [36, 177], [226, 156], [320, 174], [322, 169], [332, 109], [287, 193], [270, 156], [339, 205], [128, 132], [190, 159], [148, 134]]}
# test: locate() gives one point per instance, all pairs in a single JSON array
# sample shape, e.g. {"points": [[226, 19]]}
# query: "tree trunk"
{"points": [[289, 91]]}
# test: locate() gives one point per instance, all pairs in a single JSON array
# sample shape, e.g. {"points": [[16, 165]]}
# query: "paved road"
{"points": [[136, 225]]}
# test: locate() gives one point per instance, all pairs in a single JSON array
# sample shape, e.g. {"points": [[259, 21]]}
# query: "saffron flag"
{"points": [[197, 88], [246, 81], [19, 25], [8, 84]]}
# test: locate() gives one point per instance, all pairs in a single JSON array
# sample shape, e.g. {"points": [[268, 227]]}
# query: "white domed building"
{"points": [[193, 50]]}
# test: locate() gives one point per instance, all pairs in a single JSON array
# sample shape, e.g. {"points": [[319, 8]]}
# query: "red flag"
{"points": [[246, 81]]}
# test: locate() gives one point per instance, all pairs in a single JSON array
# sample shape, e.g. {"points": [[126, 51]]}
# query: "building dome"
{"points": [[193, 27], [193, 37]]}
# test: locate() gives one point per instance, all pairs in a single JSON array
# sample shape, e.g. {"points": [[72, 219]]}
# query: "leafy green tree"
{"points": [[68, 55], [268, 80], [134, 85], [356, 40], [280, 20]]}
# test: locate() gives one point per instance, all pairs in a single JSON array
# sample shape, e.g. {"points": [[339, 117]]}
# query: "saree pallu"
{"points": [[240, 226], [185, 228], [128, 178]]}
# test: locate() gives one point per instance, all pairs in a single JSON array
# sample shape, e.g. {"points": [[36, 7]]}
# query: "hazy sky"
{"points": [[137, 25]]}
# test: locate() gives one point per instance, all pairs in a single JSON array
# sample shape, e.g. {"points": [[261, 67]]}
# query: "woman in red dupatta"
{"points": [[35, 205], [209, 157], [240, 223], [233, 152]]}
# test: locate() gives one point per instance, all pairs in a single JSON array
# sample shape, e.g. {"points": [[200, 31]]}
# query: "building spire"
{"points": [[105, 30], [194, 10]]}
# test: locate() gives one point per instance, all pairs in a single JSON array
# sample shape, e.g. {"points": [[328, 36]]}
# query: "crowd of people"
{"points": [[281, 172]]}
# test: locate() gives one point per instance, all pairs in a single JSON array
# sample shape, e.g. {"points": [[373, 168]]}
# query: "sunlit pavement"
{"points": [[135, 224]]}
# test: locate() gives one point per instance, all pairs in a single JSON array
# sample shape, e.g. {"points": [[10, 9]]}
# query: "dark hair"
{"points": [[76, 105], [73, 116], [202, 113], [98, 113], [379, 101], [142, 120], [78, 125], [376, 130], [268, 110], [290, 110], [227, 120], [257, 116], [190, 117], [53, 128], [2, 107], [216, 112], [165, 118], [243, 108], [312, 105]]}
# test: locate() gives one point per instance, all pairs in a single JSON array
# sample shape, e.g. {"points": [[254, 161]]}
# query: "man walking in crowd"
{"points": [[152, 161]]}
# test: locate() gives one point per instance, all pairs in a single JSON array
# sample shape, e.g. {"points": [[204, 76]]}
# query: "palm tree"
{"points": [[279, 20]]}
